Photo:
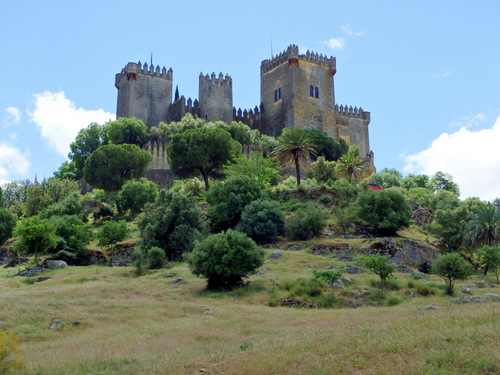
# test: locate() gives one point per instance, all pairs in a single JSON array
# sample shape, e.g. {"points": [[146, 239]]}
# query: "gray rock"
{"points": [[484, 284], [342, 250], [207, 312], [417, 275], [310, 266], [354, 304], [262, 271], [336, 285], [404, 252], [333, 268], [350, 268], [469, 299], [492, 296], [178, 281], [296, 248], [31, 272], [56, 323], [345, 280], [405, 269], [466, 291], [409, 293], [275, 255], [54, 264], [428, 307]]}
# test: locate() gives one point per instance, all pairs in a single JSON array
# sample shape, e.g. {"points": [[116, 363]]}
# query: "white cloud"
{"points": [[335, 44], [471, 157], [60, 121], [13, 116], [347, 29], [12, 160], [469, 121], [442, 75]]}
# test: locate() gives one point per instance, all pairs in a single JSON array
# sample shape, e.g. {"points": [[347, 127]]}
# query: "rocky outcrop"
{"points": [[275, 255], [54, 264], [342, 250], [122, 255], [421, 214], [8, 257], [402, 252]]}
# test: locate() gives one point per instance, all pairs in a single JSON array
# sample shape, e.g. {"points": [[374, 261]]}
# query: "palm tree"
{"points": [[294, 145], [350, 165], [484, 227]]}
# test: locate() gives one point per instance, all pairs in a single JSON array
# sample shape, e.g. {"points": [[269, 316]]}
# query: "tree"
{"points": [[228, 199], [135, 194], [325, 146], [449, 226], [484, 226], [127, 130], [323, 171], [451, 267], [71, 205], [14, 194], [7, 224], [381, 266], [172, 223], [110, 166], [307, 221], [204, 150], [415, 181], [385, 179], [225, 258], [87, 141], [387, 211], [74, 235], [350, 166], [36, 236], [294, 146], [263, 170], [491, 256], [262, 220], [112, 232], [443, 181]]}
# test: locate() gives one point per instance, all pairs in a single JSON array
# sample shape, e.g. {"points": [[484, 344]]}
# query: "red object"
{"points": [[374, 187], [36, 180]]}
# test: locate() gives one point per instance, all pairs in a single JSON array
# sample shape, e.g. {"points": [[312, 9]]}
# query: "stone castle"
{"points": [[295, 90]]}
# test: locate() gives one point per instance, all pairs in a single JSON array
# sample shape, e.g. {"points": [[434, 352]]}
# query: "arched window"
{"points": [[311, 91], [275, 95], [316, 92], [279, 93]]}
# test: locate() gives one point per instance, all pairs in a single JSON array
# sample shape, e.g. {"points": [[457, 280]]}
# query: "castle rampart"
{"points": [[216, 97]]}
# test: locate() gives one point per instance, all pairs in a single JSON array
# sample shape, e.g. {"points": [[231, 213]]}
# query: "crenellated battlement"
{"points": [[350, 112], [215, 79], [292, 54], [250, 117], [138, 68]]}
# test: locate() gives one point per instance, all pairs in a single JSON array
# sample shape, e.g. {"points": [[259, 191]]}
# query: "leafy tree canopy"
{"points": [[127, 130], [36, 236], [110, 166], [7, 224], [451, 267], [385, 179], [112, 232], [325, 146], [263, 170], [323, 171], [443, 181], [209, 149], [262, 220], [415, 181], [135, 194]]}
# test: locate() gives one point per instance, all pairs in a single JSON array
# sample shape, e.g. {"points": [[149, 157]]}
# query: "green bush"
{"points": [[7, 224], [73, 233], [307, 221], [224, 259], [381, 266], [228, 199], [112, 232], [156, 258], [72, 205], [189, 185], [451, 267], [424, 290], [387, 211], [262, 220], [104, 213], [138, 261], [327, 275], [9, 353], [135, 194], [172, 223]]}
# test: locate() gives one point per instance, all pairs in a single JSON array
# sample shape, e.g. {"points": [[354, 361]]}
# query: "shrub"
{"points": [[424, 290], [379, 265], [135, 194], [104, 212], [189, 185], [138, 261], [225, 258], [75, 234], [36, 236], [451, 267], [262, 220], [307, 221], [156, 258], [228, 199], [327, 275], [491, 256], [7, 224], [425, 266], [72, 205], [387, 211], [172, 223], [112, 232], [9, 353]]}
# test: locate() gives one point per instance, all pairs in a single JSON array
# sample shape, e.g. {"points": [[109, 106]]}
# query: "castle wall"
{"points": [[216, 97], [144, 93]]}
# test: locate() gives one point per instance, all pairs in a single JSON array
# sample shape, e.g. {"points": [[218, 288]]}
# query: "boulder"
{"points": [[466, 291], [31, 272], [428, 307], [483, 284], [469, 299], [403, 252], [275, 255], [122, 256], [350, 268], [421, 214], [342, 250], [492, 297], [93, 257], [52, 264], [178, 281]]}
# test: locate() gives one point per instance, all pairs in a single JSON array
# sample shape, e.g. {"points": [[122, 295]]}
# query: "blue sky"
{"points": [[428, 71]]}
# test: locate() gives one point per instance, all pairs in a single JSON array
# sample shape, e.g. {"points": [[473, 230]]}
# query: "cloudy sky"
{"points": [[427, 71]]}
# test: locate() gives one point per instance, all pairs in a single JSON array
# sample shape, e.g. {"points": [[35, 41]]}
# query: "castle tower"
{"points": [[216, 97], [298, 90], [144, 93]]}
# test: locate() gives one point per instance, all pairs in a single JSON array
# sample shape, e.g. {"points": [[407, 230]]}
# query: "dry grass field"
{"points": [[118, 323]]}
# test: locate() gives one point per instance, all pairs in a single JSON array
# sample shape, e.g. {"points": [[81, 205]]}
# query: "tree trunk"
{"points": [[297, 169]]}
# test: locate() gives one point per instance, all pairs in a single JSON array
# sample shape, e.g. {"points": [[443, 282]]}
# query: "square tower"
{"points": [[298, 91]]}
